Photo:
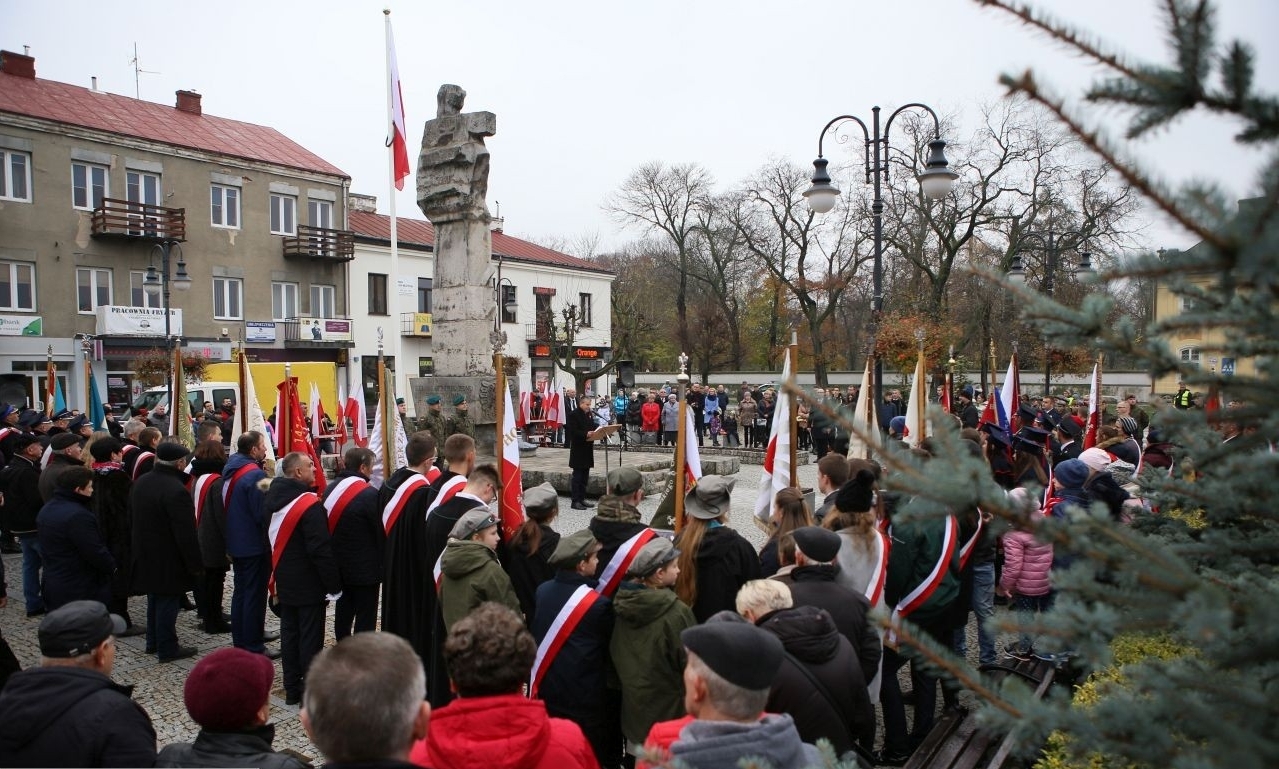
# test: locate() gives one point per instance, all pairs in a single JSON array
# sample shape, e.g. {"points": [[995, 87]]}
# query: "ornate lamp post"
{"points": [[1051, 244], [936, 181], [159, 283]]}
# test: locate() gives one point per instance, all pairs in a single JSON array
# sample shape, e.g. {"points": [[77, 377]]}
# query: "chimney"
{"points": [[363, 203], [189, 101], [17, 64]]}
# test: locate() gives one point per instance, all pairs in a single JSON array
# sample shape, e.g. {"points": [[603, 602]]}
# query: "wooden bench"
{"points": [[956, 742]]}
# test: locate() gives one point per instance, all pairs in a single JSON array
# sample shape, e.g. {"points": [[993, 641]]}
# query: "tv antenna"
{"points": [[137, 71]]}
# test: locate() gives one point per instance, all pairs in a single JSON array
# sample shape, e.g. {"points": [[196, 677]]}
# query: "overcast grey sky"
{"points": [[585, 91]]}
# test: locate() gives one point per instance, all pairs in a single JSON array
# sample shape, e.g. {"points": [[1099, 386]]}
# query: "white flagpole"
{"points": [[393, 281]]}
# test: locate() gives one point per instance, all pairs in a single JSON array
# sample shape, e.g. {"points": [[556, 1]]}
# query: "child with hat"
{"points": [[528, 555], [469, 573], [646, 648], [715, 561]]}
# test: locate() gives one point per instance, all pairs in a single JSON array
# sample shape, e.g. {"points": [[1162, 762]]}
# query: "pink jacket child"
{"points": [[1027, 565]]}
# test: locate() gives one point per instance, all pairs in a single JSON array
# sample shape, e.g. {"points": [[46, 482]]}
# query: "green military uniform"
{"points": [[460, 422], [433, 421]]}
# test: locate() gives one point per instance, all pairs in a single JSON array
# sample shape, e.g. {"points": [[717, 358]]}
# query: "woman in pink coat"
{"points": [[1026, 581]]}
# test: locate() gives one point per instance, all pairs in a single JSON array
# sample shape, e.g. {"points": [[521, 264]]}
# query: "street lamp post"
{"points": [[936, 181], [159, 283], [1051, 245]]}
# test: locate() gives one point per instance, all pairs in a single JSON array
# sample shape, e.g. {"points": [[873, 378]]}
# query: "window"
{"points": [[89, 185], [584, 310], [15, 176], [1190, 355], [18, 286], [509, 303], [284, 214], [319, 213], [93, 288], [377, 294], [424, 293], [138, 296], [284, 301], [142, 189], [323, 302], [228, 299], [224, 206]]}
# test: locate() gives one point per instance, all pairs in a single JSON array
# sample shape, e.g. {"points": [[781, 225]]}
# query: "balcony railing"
{"points": [[123, 219], [321, 243], [317, 332], [537, 332]]}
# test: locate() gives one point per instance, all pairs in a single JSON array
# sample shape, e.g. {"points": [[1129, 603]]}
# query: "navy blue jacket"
{"points": [[77, 564], [245, 516]]}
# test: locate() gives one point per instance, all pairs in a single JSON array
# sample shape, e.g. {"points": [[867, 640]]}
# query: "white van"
{"points": [[154, 397]]}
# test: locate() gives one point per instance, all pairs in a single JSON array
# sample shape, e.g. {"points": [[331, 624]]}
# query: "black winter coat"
{"points": [[811, 640], [816, 586], [359, 540], [60, 716], [20, 485], [725, 562], [111, 486], [58, 464], [211, 529], [528, 570], [77, 565], [307, 570], [581, 452], [166, 549], [634, 412], [251, 747]]}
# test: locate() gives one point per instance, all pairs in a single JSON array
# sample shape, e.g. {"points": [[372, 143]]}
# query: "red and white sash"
{"points": [[128, 449], [611, 576], [283, 523], [142, 457], [437, 571], [924, 590], [229, 486], [340, 496], [451, 487], [391, 513], [875, 586], [967, 550], [200, 493], [578, 604], [433, 473], [4, 432]]}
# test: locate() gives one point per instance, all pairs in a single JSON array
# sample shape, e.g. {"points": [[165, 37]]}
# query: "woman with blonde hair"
{"points": [[714, 561], [790, 512]]}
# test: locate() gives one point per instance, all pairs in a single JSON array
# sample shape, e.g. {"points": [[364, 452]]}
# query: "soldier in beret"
{"points": [[433, 420], [461, 419]]}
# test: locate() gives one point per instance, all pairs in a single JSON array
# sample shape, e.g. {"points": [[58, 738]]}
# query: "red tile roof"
{"points": [[419, 232], [74, 105]]}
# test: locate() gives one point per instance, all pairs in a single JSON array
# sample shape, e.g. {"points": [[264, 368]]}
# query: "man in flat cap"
{"points": [[68, 711], [433, 420], [730, 670], [65, 450], [470, 573], [574, 623], [460, 422]]}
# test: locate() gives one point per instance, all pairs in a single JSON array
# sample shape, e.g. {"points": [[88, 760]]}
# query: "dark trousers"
{"points": [[8, 662], [896, 739], [356, 610], [248, 601], [578, 487], [301, 638], [120, 605], [208, 596], [821, 442], [162, 624]]}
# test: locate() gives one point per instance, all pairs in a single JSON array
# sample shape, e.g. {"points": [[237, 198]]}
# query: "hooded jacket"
{"points": [[725, 562], [62, 716], [77, 564], [816, 585], [245, 517], [722, 744], [614, 523], [506, 731], [307, 570], [1027, 564], [471, 575], [648, 656], [811, 640]]}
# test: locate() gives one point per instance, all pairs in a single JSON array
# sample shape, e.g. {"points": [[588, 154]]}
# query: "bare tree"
{"points": [[665, 200]]}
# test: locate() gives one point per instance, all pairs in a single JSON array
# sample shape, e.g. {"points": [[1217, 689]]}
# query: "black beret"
{"points": [[740, 653], [170, 451], [63, 441], [821, 545]]}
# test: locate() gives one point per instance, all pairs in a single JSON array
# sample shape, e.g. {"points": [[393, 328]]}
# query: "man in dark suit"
{"points": [[581, 452]]}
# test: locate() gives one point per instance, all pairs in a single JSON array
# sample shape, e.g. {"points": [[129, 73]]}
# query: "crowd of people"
{"points": [[615, 645]]}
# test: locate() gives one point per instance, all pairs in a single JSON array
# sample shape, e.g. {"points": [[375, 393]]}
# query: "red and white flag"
{"points": [[511, 502], [340, 422], [1010, 397], [776, 475], [553, 406], [1094, 409], [692, 456], [397, 138], [916, 428], [316, 407], [525, 414], [355, 408]]}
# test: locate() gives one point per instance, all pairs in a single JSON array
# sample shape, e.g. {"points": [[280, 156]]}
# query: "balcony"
{"points": [[138, 221], [537, 332], [417, 324], [312, 333], [320, 243]]}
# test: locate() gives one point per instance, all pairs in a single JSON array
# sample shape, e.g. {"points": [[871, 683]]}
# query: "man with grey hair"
{"points": [[68, 711], [166, 549], [730, 670], [364, 701]]}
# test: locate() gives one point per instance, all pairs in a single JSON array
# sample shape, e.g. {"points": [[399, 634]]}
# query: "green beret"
{"points": [[433, 400], [459, 399]]}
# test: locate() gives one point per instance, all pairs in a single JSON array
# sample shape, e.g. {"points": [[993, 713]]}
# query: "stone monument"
{"points": [[452, 183]]}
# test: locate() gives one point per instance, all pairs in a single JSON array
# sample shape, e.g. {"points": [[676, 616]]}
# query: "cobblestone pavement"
{"points": [[158, 686]]}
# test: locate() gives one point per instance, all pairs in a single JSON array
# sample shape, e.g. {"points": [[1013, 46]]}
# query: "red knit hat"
{"points": [[226, 689]]}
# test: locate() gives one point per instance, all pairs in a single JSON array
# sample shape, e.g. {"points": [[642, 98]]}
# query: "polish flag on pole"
{"points": [[397, 135], [776, 475], [692, 456], [552, 407], [511, 502], [917, 410], [354, 409], [526, 410], [1094, 409]]}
